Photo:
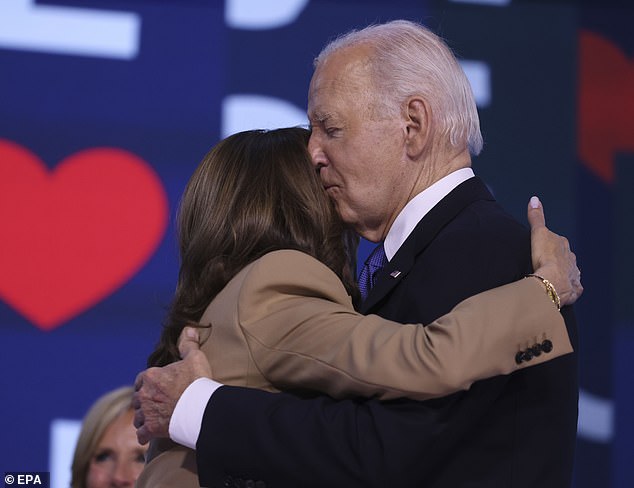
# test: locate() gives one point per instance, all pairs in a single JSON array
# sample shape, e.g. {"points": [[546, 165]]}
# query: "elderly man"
{"points": [[394, 128]]}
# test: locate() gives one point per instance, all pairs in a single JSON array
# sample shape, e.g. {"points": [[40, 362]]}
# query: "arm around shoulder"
{"points": [[302, 335]]}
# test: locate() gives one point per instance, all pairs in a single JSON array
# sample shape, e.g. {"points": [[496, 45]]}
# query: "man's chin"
{"points": [[349, 218]]}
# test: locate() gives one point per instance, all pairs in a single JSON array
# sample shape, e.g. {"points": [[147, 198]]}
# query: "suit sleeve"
{"points": [[303, 333]]}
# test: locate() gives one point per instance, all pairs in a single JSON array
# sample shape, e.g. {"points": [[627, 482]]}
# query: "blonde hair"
{"points": [[102, 413]]}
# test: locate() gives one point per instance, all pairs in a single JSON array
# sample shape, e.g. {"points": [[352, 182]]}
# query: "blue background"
{"points": [[166, 105]]}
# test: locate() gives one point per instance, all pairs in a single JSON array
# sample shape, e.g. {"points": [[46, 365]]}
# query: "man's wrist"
{"points": [[186, 420]]}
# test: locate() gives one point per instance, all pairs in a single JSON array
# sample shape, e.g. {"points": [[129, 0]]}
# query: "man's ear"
{"points": [[417, 126]]}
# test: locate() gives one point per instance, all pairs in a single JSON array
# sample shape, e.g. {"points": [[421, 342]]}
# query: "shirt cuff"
{"points": [[187, 417]]}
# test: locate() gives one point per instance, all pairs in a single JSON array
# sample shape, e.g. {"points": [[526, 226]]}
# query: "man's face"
{"points": [[358, 151]]}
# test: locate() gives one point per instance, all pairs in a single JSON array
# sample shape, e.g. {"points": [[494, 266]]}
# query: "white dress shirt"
{"points": [[186, 421]]}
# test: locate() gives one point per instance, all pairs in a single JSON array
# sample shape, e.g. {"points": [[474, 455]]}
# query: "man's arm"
{"points": [[288, 441]]}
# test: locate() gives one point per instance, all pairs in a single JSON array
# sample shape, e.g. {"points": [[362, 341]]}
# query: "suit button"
{"points": [[249, 484], [547, 346], [519, 357], [537, 350], [528, 354], [228, 481]]}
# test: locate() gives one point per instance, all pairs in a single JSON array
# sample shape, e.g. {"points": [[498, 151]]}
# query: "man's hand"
{"points": [[157, 390], [552, 257]]}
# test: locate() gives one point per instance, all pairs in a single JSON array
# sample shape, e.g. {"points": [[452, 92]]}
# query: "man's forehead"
{"points": [[331, 91], [340, 72], [322, 99]]}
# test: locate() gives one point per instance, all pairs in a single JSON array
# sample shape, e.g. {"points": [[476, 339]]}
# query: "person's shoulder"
{"points": [[488, 219], [281, 262], [486, 237], [287, 261], [291, 271]]}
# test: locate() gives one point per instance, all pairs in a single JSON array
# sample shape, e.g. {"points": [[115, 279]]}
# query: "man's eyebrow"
{"points": [[319, 117]]}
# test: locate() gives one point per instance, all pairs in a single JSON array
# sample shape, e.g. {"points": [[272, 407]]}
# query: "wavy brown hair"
{"points": [[253, 193]]}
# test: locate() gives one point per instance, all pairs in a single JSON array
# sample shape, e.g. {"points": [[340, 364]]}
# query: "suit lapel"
{"points": [[425, 232]]}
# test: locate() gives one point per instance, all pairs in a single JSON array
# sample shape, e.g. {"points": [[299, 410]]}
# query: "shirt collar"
{"points": [[419, 206]]}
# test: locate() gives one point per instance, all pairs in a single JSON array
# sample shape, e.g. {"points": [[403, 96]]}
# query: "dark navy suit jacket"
{"points": [[510, 431]]}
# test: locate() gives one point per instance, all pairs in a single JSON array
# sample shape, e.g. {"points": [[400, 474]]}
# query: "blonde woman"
{"points": [[107, 453]]}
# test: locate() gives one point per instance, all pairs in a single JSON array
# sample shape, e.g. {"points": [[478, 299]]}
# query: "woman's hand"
{"points": [[552, 257]]}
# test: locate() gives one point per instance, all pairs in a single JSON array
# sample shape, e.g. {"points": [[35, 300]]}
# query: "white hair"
{"points": [[410, 60]]}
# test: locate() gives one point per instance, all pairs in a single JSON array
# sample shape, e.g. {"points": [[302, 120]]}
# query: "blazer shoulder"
{"points": [[489, 215], [292, 272], [489, 229]]}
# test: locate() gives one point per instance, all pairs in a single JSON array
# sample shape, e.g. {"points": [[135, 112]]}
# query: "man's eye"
{"points": [[332, 131]]}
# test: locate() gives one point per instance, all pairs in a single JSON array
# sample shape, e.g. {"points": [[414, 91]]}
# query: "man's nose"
{"points": [[317, 155]]}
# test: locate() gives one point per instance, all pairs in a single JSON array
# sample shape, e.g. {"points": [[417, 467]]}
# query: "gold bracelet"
{"points": [[550, 290]]}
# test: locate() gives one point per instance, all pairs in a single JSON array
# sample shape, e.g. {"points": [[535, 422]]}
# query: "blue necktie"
{"points": [[371, 268]]}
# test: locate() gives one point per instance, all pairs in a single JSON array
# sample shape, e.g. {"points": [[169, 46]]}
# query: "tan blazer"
{"points": [[285, 321]]}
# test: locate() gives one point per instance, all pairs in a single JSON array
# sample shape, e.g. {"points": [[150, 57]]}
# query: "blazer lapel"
{"points": [[425, 232]]}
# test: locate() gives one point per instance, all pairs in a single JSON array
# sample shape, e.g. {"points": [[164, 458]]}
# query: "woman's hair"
{"points": [[103, 412], [253, 193], [408, 59]]}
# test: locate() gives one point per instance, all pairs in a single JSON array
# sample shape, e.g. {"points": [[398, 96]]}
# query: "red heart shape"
{"points": [[606, 104], [72, 236]]}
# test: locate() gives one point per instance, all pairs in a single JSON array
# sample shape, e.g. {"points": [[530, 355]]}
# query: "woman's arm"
{"points": [[303, 333]]}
